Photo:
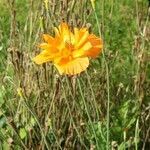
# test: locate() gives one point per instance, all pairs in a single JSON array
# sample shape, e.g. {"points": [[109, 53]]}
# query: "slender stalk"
{"points": [[93, 95], [42, 133], [124, 137], [71, 117], [16, 132], [136, 134], [107, 78], [83, 99]]}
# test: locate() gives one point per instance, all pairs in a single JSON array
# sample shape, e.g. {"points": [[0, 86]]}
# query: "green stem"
{"points": [[93, 95], [83, 99], [108, 86], [136, 134], [71, 117], [42, 133]]}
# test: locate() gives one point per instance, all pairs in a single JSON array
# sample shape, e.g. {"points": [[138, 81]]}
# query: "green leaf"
{"points": [[33, 122], [22, 133], [5, 146], [2, 94], [2, 121]]}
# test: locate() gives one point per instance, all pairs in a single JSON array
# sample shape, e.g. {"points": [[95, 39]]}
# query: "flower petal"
{"points": [[41, 58], [64, 30], [96, 46], [95, 41], [93, 52], [47, 38], [44, 46], [82, 51], [83, 35], [73, 67], [56, 32]]}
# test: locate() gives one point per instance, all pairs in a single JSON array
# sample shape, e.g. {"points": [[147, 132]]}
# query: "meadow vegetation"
{"points": [[105, 107]]}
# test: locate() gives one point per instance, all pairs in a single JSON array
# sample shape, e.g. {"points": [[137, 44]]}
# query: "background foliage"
{"points": [[39, 109]]}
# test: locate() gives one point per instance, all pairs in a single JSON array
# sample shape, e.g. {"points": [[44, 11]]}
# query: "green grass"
{"points": [[106, 107]]}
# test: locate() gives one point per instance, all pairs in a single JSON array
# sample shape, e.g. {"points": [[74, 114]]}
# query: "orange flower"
{"points": [[69, 51]]}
